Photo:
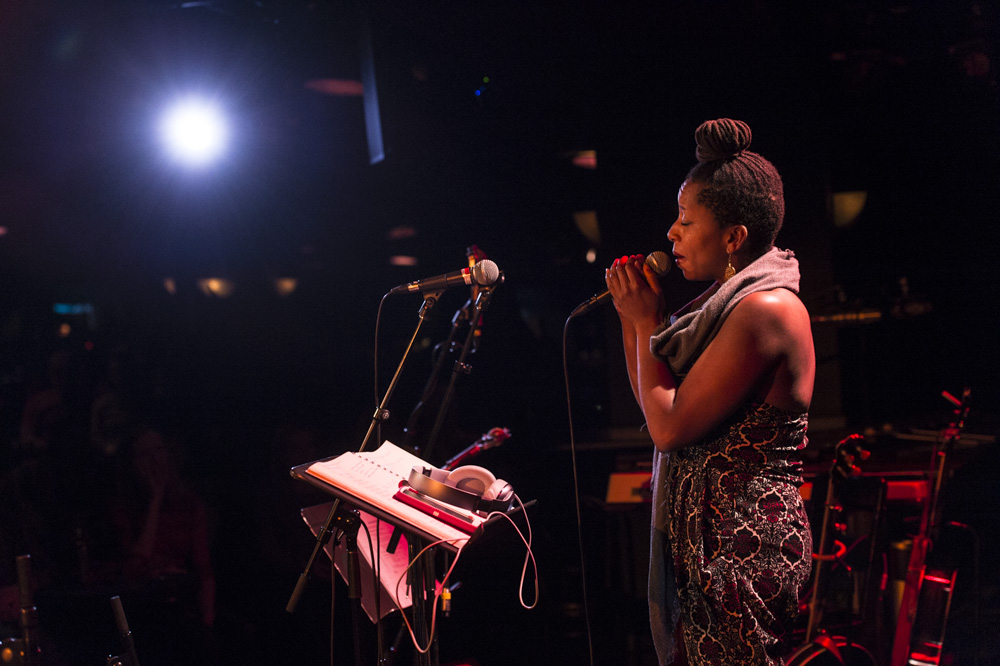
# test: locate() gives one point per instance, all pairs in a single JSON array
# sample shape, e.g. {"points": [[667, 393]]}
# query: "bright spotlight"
{"points": [[194, 132]]}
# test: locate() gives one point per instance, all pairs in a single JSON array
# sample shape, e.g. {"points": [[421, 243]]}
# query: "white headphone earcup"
{"points": [[498, 490], [471, 479]]}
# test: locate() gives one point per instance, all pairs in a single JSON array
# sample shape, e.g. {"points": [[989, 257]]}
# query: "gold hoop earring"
{"points": [[730, 271]]}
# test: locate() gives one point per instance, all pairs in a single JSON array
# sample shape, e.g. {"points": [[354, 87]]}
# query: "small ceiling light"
{"points": [[217, 287]]}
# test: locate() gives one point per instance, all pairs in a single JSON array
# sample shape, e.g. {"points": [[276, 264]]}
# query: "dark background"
{"points": [[897, 99]]}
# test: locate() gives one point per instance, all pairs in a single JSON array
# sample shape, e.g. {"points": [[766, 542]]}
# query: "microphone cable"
{"points": [[576, 494], [660, 263]]}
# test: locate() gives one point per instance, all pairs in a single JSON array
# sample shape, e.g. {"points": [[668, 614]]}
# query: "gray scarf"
{"points": [[680, 340]]}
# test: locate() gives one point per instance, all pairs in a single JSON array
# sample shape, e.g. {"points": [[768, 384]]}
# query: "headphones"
{"points": [[469, 487]]}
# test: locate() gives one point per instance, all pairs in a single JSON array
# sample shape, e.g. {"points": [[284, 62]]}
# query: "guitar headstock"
{"points": [[495, 437], [954, 430], [960, 404]]}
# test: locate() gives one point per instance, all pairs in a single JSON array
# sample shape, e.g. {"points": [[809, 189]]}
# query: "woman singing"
{"points": [[724, 385]]}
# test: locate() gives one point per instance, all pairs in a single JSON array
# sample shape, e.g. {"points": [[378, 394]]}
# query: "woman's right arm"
{"points": [[631, 342]]}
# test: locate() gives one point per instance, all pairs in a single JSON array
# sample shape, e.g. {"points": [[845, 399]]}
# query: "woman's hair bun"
{"points": [[721, 139]]}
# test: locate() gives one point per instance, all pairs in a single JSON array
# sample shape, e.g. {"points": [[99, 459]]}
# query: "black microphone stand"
{"points": [[350, 521], [460, 367], [128, 656], [460, 317], [381, 413]]}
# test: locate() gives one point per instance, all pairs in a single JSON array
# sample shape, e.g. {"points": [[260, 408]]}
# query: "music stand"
{"points": [[417, 535], [350, 502]]}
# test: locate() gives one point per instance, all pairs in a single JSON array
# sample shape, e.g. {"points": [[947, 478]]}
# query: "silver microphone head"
{"points": [[486, 272], [659, 261]]}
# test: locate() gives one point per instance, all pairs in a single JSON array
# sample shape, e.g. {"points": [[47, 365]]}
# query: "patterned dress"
{"points": [[742, 546]]}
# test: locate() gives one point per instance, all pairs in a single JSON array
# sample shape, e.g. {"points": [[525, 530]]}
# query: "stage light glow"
{"points": [[194, 132], [587, 224], [285, 286], [847, 206], [337, 87], [401, 232], [585, 159]]}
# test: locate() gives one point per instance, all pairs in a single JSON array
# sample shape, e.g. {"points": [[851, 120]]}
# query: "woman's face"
{"points": [[699, 241]]}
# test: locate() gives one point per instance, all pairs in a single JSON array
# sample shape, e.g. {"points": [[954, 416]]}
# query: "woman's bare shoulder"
{"points": [[776, 303], [777, 313]]}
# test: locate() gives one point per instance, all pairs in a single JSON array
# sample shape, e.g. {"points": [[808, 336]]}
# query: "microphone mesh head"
{"points": [[485, 273], [659, 262]]}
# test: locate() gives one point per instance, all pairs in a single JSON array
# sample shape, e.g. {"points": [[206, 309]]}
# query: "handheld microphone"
{"points": [[658, 261], [484, 273]]}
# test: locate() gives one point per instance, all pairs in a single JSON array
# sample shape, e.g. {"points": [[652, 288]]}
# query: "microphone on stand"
{"points": [[484, 273], [658, 261]]}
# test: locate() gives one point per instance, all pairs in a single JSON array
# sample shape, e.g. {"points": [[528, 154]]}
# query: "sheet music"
{"points": [[375, 477]]}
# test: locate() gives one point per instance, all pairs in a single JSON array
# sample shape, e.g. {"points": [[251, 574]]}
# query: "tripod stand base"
{"points": [[827, 650], [392, 565]]}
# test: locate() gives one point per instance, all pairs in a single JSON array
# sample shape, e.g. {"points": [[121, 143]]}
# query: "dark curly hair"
{"points": [[739, 186]]}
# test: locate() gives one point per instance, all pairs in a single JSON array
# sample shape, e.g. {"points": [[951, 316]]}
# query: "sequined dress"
{"points": [[740, 535]]}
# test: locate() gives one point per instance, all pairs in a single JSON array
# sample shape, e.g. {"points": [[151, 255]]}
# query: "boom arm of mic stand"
{"points": [[380, 415], [479, 307]]}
